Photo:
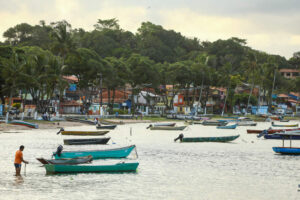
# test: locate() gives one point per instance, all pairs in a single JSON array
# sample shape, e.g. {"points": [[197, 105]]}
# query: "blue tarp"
{"points": [[274, 96], [259, 110], [294, 97], [72, 87]]}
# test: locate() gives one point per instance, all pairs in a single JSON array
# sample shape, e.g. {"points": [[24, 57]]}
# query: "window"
{"points": [[288, 74]]}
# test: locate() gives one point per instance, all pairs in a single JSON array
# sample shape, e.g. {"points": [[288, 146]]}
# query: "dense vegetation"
{"points": [[33, 60]]}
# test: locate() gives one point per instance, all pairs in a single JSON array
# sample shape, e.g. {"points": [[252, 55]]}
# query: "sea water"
{"points": [[246, 168]]}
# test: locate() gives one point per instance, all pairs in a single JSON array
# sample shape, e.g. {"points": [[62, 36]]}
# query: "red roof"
{"points": [[71, 78], [283, 96], [289, 70]]}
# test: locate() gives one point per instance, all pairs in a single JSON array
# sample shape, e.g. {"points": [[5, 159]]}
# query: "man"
{"points": [[19, 160]]}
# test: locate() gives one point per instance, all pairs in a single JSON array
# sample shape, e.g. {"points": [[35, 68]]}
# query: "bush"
{"points": [[120, 111]]}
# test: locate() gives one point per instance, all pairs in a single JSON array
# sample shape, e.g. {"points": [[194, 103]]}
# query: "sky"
{"points": [[271, 26]]}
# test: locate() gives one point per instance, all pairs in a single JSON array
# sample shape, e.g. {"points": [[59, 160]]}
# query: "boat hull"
{"points": [[71, 161], [286, 150], [164, 124], [86, 141], [290, 125], [106, 127], [168, 128], [84, 133], [80, 120], [120, 167], [280, 137], [98, 154], [23, 123], [210, 139], [227, 127]]}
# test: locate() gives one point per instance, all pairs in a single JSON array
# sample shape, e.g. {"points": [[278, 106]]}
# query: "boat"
{"points": [[106, 126], [164, 124], [206, 139], [81, 133], [246, 123], [284, 120], [84, 121], [115, 168], [214, 123], [284, 125], [270, 131], [227, 127], [67, 161], [24, 123], [280, 137], [192, 122], [97, 154], [86, 141], [167, 128], [287, 150]]}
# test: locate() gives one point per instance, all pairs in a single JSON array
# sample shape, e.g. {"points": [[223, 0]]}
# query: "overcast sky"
{"points": [[272, 26]]}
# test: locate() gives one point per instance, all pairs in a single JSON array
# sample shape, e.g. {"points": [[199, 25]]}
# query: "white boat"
{"points": [[165, 124], [246, 123]]}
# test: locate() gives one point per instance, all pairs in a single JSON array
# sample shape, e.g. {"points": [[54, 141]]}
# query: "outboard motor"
{"points": [[264, 132], [180, 137], [149, 126], [62, 129], [59, 150]]}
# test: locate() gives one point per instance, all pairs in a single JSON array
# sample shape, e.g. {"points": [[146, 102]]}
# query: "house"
{"points": [[290, 73]]}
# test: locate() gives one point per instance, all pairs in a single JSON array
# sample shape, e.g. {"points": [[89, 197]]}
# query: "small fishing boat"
{"points": [[167, 128], [280, 137], [287, 150], [246, 123], [67, 161], [71, 119], [164, 124], [97, 154], [270, 131], [115, 168], [206, 139], [106, 126], [192, 122], [284, 125], [214, 123], [86, 141], [227, 127], [23, 123], [284, 120], [81, 133]]}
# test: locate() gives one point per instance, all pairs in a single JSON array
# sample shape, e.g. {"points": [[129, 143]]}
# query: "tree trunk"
{"points": [[252, 86], [224, 106]]}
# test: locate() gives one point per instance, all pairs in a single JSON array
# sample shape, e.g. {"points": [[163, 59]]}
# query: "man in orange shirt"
{"points": [[19, 160]]}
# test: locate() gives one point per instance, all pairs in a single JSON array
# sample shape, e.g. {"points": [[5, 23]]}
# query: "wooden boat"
{"points": [[106, 126], [86, 141], [286, 125], [164, 124], [168, 128], [246, 123], [284, 120], [214, 123], [206, 139], [227, 127], [287, 150], [271, 131], [23, 123], [97, 154], [119, 167], [67, 161], [83, 133], [192, 122], [80, 120]]}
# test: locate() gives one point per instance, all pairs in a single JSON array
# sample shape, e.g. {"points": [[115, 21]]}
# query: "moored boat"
{"points": [[214, 123], [284, 125], [24, 123], [280, 137], [86, 141], [165, 124], [97, 154], [106, 126], [115, 168], [71, 119], [67, 161], [206, 139], [287, 150], [246, 123], [81, 133], [227, 127], [271, 131], [168, 128]]}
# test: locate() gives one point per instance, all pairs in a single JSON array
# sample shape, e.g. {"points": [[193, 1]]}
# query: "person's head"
{"points": [[22, 148]]}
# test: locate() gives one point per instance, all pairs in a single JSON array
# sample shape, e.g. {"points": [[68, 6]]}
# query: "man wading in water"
{"points": [[19, 160]]}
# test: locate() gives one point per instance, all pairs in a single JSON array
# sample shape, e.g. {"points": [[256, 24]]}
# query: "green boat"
{"points": [[167, 128], [119, 167], [206, 139], [97, 154], [24, 123]]}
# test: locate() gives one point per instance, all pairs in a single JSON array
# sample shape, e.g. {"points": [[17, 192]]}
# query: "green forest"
{"points": [[33, 59]]}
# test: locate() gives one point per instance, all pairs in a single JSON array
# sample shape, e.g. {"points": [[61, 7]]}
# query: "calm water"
{"points": [[244, 169]]}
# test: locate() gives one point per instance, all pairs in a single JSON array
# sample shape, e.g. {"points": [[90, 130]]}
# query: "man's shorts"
{"points": [[17, 165]]}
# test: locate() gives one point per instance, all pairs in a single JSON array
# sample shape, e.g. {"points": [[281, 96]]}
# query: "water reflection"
{"points": [[19, 180]]}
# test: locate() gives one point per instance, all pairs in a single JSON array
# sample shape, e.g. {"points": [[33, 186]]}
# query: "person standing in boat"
{"points": [[19, 159]]}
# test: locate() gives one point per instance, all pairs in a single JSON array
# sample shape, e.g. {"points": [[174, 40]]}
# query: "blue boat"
{"points": [[227, 127], [287, 150], [280, 137], [97, 154]]}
